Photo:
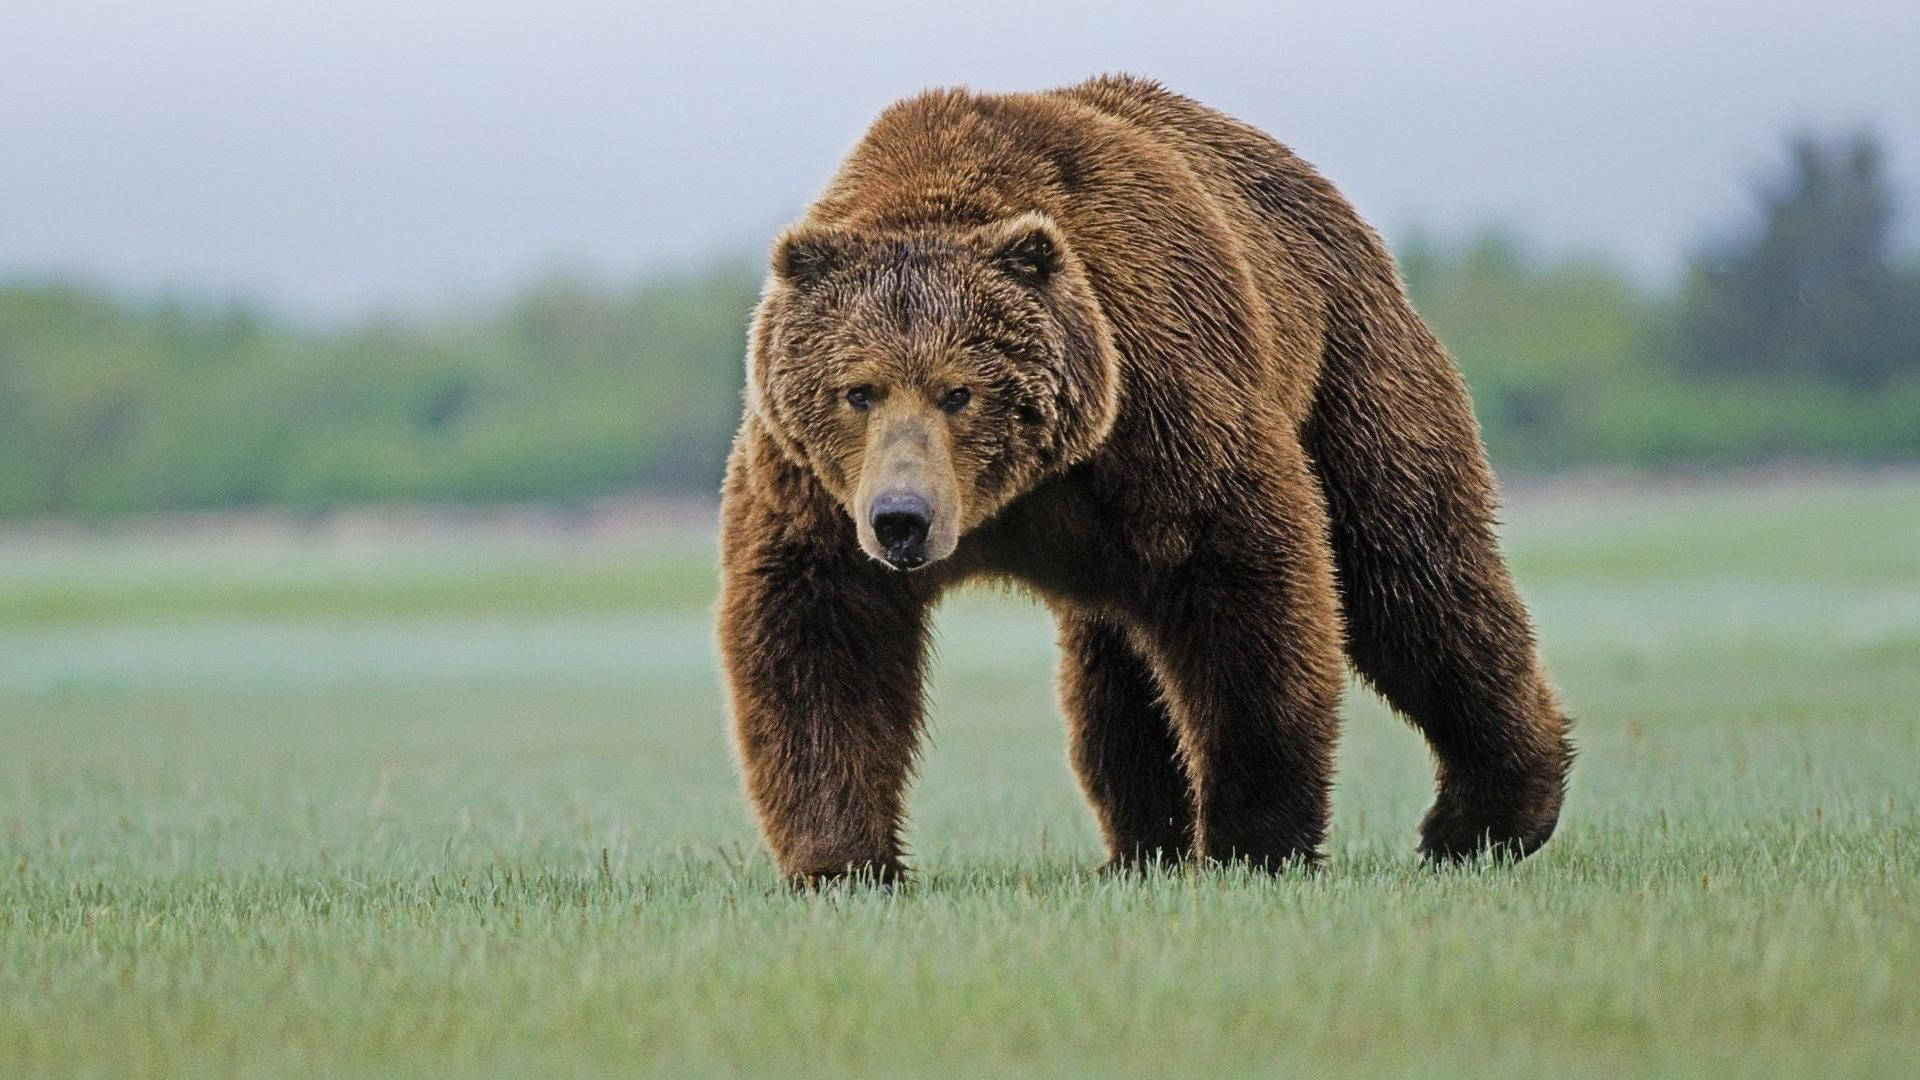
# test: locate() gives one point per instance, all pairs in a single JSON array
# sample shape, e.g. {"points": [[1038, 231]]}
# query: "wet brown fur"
{"points": [[1206, 428]]}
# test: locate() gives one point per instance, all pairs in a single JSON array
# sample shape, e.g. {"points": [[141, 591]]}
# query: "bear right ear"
{"points": [[1027, 248], [804, 255]]}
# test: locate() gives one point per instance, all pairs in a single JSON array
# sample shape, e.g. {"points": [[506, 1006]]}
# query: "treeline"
{"points": [[566, 392], [1798, 336]]}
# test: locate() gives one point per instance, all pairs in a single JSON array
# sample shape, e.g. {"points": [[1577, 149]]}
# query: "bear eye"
{"points": [[956, 399], [860, 397]]}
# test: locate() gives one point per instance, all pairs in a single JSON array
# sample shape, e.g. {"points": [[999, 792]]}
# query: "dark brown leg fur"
{"points": [[1246, 642], [1433, 621], [1122, 746], [823, 651]]}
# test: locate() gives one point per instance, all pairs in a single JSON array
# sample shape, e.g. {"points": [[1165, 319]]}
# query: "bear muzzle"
{"points": [[906, 508], [901, 521]]}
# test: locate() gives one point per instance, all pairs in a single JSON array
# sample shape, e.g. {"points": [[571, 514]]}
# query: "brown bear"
{"points": [[1135, 357]]}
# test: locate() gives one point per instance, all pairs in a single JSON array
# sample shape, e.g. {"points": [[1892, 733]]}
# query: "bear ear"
{"points": [[804, 255], [1028, 248]]}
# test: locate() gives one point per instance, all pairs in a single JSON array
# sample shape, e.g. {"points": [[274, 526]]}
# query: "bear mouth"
{"points": [[905, 562]]}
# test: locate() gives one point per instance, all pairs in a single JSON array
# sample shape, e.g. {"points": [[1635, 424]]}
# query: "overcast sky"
{"points": [[331, 157]]}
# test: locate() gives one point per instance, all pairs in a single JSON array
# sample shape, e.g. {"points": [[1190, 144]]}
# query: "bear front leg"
{"points": [[1246, 640], [823, 653], [1121, 742]]}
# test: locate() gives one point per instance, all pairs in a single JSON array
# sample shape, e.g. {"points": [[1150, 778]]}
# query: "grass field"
{"points": [[465, 807]]}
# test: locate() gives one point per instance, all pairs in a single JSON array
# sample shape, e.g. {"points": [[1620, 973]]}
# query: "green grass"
{"points": [[458, 808]]}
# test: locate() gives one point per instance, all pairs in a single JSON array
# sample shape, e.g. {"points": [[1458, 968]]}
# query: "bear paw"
{"points": [[1505, 820], [877, 873]]}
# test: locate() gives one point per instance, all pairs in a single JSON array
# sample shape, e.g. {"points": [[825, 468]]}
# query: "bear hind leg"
{"points": [[1121, 743], [1433, 621]]}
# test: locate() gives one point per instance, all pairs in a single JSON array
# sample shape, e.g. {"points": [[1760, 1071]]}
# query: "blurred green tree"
{"points": [[1811, 290]]}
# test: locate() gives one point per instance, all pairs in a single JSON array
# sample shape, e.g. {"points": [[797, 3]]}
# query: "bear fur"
{"points": [[1136, 358]]}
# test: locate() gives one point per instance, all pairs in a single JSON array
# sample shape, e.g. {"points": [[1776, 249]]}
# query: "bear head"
{"points": [[930, 375]]}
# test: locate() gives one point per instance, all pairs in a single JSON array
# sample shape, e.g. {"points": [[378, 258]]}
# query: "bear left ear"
{"points": [[1028, 248], [805, 255]]}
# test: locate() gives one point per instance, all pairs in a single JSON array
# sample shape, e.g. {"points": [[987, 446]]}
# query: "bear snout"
{"points": [[901, 521]]}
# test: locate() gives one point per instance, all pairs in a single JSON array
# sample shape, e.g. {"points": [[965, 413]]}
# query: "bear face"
{"points": [[929, 376]]}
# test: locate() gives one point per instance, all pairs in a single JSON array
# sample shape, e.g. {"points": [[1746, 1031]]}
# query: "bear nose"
{"points": [[900, 522]]}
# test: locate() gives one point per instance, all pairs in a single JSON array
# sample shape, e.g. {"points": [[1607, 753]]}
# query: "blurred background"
{"points": [[265, 254]]}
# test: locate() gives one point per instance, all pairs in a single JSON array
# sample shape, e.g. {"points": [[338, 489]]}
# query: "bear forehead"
{"points": [[927, 296]]}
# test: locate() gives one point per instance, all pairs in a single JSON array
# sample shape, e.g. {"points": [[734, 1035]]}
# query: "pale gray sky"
{"points": [[335, 156]]}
